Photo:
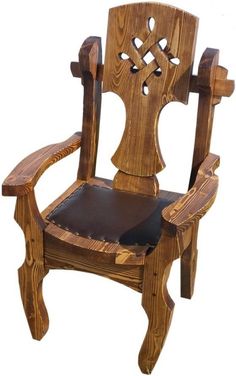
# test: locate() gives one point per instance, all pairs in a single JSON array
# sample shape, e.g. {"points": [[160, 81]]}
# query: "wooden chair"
{"points": [[126, 229]]}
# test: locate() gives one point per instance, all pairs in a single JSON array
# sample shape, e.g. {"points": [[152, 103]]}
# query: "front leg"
{"points": [[156, 300], [189, 265], [32, 272]]}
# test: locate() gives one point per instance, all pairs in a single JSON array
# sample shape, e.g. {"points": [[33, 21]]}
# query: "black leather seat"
{"points": [[111, 215]]}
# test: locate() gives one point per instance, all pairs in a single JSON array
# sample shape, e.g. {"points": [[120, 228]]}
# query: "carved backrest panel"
{"points": [[148, 63]]}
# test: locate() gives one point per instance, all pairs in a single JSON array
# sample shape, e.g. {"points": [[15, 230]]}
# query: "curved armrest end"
{"points": [[196, 202], [26, 174]]}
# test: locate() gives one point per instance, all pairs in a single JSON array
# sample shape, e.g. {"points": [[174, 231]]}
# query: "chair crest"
{"points": [[148, 63]]}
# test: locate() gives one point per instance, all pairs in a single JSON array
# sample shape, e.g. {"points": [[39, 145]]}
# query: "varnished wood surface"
{"points": [[33, 270], [156, 300], [146, 185], [222, 87], [61, 255], [26, 174], [90, 56], [189, 264], [207, 74], [103, 251], [145, 88], [139, 153], [195, 203], [76, 70], [106, 252]]}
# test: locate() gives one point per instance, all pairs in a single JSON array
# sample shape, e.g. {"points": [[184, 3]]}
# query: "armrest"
{"points": [[196, 202], [26, 174]]}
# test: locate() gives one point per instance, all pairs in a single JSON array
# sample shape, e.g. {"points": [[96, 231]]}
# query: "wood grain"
{"points": [[76, 70], [33, 270], [139, 152], [146, 185], [26, 174], [222, 87], [196, 202], [90, 56], [206, 82], [145, 86], [189, 264], [156, 301], [103, 251], [64, 256]]}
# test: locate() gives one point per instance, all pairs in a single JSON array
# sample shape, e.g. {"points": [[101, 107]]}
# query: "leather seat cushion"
{"points": [[111, 215]]}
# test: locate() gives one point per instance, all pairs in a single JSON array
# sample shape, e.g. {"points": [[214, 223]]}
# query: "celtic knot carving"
{"points": [[148, 57]]}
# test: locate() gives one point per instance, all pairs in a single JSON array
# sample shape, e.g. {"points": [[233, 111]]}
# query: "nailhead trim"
{"points": [[89, 237]]}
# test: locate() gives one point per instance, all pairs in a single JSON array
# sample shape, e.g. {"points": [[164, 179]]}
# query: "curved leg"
{"points": [[32, 272], [189, 265], [156, 300]]}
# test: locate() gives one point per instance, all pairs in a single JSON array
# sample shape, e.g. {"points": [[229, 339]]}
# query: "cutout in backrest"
{"points": [[175, 60], [157, 43], [134, 69], [151, 23], [145, 89], [123, 56], [148, 57], [137, 42], [162, 43], [157, 72]]}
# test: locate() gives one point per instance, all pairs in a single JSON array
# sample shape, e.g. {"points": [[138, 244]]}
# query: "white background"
{"points": [[97, 326]]}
